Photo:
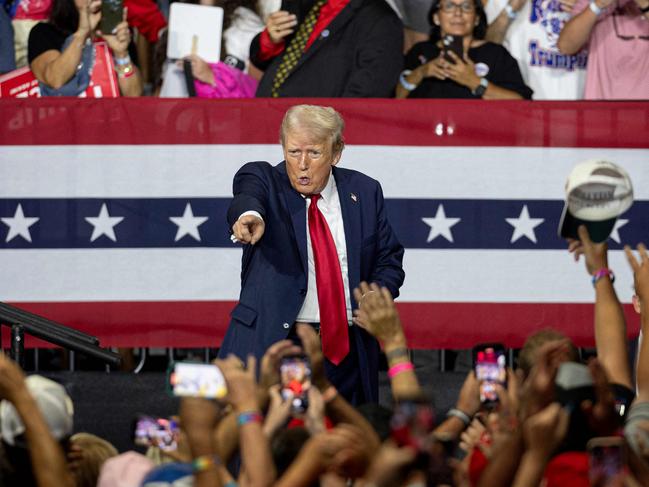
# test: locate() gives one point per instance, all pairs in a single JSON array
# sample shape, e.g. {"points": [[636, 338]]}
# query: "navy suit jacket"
{"points": [[274, 270]]}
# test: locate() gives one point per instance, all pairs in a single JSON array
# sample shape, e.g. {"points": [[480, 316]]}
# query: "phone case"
{"points": [[111, 15]]}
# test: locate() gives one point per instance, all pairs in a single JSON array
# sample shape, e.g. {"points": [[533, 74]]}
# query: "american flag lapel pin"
{"points": [[353, 197]]}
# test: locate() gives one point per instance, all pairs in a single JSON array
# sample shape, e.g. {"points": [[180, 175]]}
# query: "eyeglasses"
{"points": [[450, 7], [617, 14]]}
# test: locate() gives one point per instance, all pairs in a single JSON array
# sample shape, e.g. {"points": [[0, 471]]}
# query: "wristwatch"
{"points": [[481, 88]]}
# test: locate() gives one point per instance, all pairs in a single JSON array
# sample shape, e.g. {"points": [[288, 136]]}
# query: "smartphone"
{"points": [[490, 366], [154, 431], [411, 425], [606, 461], [197, 380], [453, 44], [111, 15], [295, 378]]}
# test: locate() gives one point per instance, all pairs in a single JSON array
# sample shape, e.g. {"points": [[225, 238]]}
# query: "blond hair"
{"points": [[95, 452], [324, 123]]}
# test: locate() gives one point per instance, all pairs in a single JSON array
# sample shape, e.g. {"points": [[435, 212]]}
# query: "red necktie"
{"points": [[329, 281]]}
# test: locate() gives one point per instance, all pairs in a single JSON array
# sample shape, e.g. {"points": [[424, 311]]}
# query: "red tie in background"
{"points": [[331, 292]]}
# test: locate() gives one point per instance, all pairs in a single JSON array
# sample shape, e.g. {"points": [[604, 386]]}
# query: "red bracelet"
{"points": [[400, 367]]}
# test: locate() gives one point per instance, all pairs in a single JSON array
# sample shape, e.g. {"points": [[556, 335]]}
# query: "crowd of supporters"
{"points": [[540, 49], [554, 421]]}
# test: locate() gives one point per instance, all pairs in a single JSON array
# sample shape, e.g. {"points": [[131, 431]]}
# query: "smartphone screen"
{"points": [[411, 425], [607, 462], [111, 15], [295, 375], [197, 380], [490, 370], [160, 432], [453, 44]]}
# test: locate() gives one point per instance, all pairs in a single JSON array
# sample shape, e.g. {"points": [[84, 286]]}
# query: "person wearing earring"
{"points": [[456, 62]]}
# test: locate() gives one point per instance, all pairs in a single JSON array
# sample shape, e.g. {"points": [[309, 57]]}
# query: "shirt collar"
{"points": [[329, 190]]}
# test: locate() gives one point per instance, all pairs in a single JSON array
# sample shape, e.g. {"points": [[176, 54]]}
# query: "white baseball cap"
{"points": [[597, 193], [54, 404]]}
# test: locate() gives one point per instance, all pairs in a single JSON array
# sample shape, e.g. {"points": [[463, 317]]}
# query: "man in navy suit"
{"points": [[302, 260]]}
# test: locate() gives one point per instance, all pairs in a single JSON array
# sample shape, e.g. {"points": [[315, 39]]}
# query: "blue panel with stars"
{"points": [[201, 222]]}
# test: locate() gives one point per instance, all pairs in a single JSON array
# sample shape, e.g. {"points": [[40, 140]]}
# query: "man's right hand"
{"points": [[249, 229]]}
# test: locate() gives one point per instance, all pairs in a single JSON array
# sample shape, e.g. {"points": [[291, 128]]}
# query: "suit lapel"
{"points": [[297, 211], [337, 24], [350, 207]]}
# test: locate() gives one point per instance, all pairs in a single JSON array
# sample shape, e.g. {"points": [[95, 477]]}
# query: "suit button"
{"points": [[286, 325], [303, 292]]}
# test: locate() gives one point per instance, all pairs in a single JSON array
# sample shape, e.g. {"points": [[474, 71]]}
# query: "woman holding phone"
{"points": [[61, 53], [457, 62]]}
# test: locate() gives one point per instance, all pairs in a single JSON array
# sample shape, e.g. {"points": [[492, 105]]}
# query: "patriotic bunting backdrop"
{"points": [[113, 211]]}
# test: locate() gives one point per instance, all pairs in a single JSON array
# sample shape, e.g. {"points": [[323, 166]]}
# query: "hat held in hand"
{"points": [[597, 193], [54, 404]]}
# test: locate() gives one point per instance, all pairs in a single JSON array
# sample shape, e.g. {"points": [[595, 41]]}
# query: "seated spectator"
{"points": [[616, 34], [486, 71], [242, 20], [334, 48], [61, 51], [529, 30]]}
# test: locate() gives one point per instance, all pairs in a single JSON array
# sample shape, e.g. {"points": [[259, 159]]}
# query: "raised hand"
{"points": [[640, 268], [377, 314], [544, 431], [269, 370], [595, 254], [313, 349], [462, 71], [280, 24], [242, 386], [89, 16], [120, 38], [249, 229]]}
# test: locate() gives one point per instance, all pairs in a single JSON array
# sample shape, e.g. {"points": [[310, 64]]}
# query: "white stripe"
{"points": [[213, 274], [142, 171], [520, 276]]}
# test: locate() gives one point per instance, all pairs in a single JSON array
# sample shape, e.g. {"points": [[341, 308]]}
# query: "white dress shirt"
{"points": [[329, 206]]}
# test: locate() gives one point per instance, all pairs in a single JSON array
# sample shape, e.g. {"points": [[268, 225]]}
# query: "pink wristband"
{"points": [[602, 273], [398, 368]]}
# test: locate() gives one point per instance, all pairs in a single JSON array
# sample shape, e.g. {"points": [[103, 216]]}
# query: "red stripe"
{"points": [[140, 121], [428, 325]]}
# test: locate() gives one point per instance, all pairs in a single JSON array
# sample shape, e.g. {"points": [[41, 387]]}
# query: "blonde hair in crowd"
{"points": [[95, 452]]}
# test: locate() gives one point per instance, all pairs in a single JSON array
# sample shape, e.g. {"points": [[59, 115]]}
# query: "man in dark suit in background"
{"points": [[310, 239], [330, 48]]}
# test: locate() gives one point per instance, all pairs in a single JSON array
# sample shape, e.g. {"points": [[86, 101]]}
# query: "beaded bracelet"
{"points": [[400, 367], [601, 273], [205, 462], [125, 71], [249, 417]]}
